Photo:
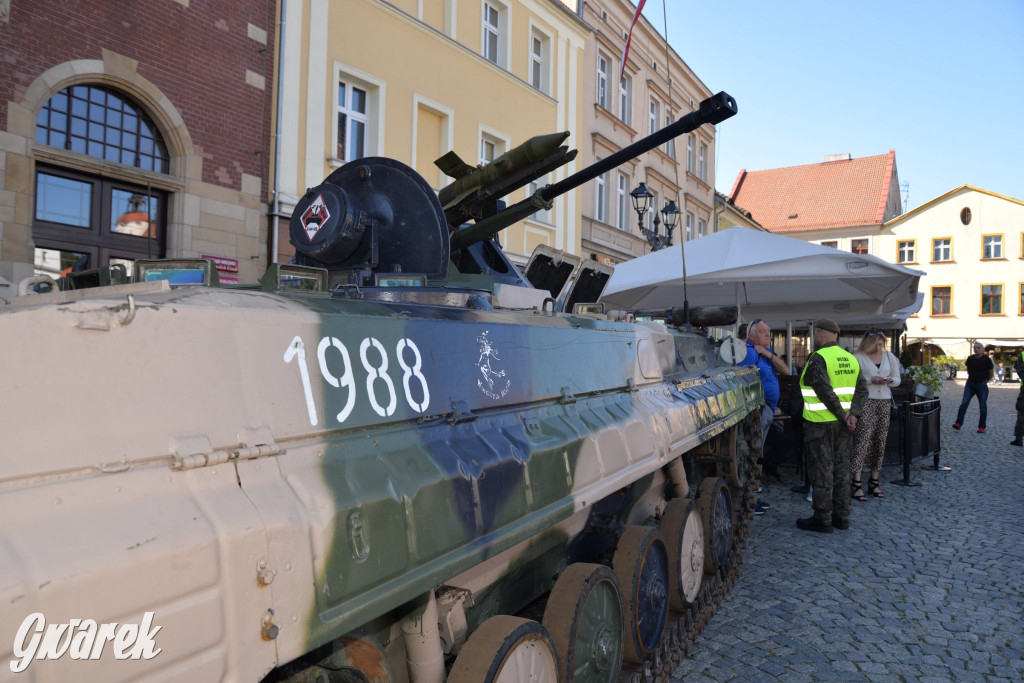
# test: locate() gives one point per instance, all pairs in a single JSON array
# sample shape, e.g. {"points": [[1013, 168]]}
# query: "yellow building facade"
{"points": [[970, 242], [412, 80], [657, 88]]}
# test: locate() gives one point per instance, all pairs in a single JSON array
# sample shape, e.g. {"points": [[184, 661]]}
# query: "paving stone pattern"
{"points": [[926, 585]]}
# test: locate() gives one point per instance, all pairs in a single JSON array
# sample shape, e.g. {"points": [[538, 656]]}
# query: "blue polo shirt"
{"points": [[769, 382]]}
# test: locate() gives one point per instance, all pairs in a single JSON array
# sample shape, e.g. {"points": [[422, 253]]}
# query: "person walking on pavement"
{"points": [[834, 391], [759, 354], [980, 370], [881, 371]]}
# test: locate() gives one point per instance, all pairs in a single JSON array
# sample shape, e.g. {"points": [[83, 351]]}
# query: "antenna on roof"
{"points": [[905, 189]]}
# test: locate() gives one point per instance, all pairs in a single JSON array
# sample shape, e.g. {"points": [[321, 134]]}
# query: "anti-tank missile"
{"points": [[469, 178], [476, 187]]}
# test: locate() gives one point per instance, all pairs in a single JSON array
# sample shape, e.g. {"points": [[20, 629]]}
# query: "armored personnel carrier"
{"points": [[396, 459]]}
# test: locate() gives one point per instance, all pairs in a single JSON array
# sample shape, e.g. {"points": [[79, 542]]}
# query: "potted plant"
{"points": [[927, 379], [949, 365]]}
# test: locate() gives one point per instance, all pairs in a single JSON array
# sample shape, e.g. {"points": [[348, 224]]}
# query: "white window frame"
{"points": [[495, 51], [689, 226], [487, 150], [622, 201], [355, 120], [499, 140], [702, 227], [602, 80], [670, 146], [654, 118], [626, 100], [947, 249], [601, 198], [905, 251], [540, 61], [702, 161], [376, 96], [992, 247], [690, 153]]}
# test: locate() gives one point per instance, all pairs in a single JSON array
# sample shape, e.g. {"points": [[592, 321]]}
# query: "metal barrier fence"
{"points": [[913, 434], [919, 427]]}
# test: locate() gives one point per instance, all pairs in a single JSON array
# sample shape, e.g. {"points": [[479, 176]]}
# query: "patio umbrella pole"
{"points": [[789, 345], [739, 311], [686, 302]]}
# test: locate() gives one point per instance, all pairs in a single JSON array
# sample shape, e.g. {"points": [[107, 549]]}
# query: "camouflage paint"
{"points": [[201, 487]]}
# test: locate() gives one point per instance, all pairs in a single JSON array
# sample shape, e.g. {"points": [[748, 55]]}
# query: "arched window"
{"points": [[93, 120], [83, 219]]}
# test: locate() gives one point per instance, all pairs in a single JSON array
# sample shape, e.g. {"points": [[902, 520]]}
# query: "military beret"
{"points": [[827, 325]]}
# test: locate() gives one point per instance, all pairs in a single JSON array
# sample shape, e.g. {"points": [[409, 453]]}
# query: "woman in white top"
{"points": [[881, 369]]}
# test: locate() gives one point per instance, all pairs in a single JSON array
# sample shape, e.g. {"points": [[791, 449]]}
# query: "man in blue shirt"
{"points": [[759, 354]]}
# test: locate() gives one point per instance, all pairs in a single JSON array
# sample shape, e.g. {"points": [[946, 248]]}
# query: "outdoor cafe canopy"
{"points": [[767, 276]]}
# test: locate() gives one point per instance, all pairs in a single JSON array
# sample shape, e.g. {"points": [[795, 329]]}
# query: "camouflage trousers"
{"points": [[827, 448], [1018, 429]]}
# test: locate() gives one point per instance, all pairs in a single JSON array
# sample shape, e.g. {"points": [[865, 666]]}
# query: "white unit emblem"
{"points": [[494, 383]]}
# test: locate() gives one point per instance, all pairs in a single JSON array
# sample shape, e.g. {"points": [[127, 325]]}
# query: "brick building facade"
{"points": [[130, 130]]}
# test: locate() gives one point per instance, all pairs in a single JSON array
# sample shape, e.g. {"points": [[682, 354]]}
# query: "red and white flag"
{"points": [[629, 37]]}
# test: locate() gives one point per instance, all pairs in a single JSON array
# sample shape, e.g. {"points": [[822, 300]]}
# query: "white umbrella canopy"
{"points": [[882, 321], [768, 276]]}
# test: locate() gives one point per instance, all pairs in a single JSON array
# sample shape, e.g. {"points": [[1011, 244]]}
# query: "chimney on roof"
{"points": [[846, 156]]}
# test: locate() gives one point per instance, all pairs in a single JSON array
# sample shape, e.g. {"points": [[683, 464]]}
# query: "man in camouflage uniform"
{"points": [[1018, 429], [834, 391]]}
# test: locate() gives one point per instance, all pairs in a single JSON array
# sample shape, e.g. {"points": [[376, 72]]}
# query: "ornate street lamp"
{"points": [[641, 203]]}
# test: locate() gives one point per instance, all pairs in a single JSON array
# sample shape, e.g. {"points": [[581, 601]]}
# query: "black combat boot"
{"points": [[840, 523], [814, 524], [1017, 442]]}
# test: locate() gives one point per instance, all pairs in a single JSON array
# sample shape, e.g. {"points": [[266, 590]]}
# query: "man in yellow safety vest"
{"points": [[833, 391]]}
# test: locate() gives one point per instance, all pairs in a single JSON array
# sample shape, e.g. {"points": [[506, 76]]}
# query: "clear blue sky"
{"points": [[940, 82]]}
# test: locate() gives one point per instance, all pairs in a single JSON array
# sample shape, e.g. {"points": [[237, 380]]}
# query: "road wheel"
{"points": [[739, 458], [507, 649], [642, 568], [716, 509], [584, 616], [683, 529]]}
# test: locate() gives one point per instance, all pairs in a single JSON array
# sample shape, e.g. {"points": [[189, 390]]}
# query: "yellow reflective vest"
{"points": [[843, 370]]}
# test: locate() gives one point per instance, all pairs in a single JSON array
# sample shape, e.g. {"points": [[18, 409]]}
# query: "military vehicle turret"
{"points": [[393, 460]]}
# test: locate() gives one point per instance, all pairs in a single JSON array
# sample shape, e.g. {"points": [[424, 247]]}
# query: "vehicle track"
{"points": [[684, 628]]}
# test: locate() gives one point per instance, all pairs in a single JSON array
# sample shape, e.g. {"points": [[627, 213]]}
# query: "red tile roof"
{"points": [[832, 194]]}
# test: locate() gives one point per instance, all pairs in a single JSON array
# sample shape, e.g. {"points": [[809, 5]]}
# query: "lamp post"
{"points": [[642, 197]]}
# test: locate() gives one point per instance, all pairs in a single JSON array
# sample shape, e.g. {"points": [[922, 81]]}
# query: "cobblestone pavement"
{"points": [[926, 585]]}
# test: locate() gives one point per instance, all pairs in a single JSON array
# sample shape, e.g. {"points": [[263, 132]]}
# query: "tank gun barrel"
{"points": [[713, 110]]}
